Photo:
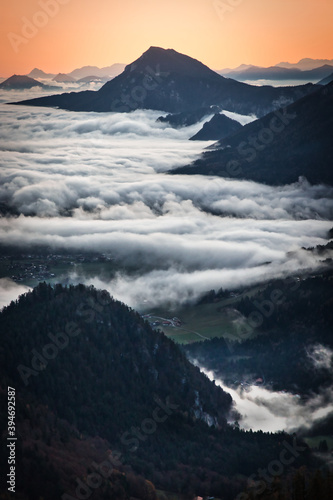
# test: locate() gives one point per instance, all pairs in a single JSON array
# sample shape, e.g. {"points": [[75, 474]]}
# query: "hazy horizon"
{"points": [[59, 70], [91, 181]]}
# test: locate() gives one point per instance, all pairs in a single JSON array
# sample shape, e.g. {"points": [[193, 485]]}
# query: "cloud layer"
{"points": [[269, 411], [89, 181], [9, 290]]}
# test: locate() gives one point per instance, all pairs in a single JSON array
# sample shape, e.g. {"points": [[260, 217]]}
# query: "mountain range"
{"points": [[306, 63], [279, 73], [303, 65], [85, 71], [172, 82], [278, 148], [105, 72]]}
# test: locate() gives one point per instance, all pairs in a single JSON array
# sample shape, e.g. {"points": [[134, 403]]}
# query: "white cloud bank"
{"points": [[262, 409], [9, 290], [94, 181]]}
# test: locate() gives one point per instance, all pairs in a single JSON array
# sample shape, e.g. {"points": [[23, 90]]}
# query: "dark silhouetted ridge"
{"points": [[165, 80], [217, 127], [278, 148], [20, 82]]}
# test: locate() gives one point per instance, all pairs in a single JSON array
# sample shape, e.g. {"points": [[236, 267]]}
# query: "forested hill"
{"points": [[108, 360], [92, 380], [278, 148]]}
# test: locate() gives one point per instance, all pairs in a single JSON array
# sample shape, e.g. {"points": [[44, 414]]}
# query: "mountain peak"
{"points": [[154, 48], [63, 78], [159, 50], [172, 62], [20, 82], [166, 80]]}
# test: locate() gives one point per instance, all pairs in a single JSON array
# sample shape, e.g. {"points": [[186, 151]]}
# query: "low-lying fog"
{"points": [[269, 411], [89, 181]]}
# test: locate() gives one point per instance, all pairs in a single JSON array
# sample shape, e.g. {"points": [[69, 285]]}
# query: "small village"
{"points": [[157, 321], [40, 267]]}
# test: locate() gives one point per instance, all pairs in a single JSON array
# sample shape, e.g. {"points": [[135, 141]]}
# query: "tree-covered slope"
{"points": [[278, 148], [93, 381], [285, 338]]}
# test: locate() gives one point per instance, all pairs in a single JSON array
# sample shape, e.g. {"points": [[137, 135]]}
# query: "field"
{"points": [[206, 321]]}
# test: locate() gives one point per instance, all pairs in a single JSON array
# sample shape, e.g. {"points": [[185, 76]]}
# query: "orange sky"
{"points": [[220, 33]]}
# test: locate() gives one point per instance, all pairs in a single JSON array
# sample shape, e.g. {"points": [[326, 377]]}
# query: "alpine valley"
{"points": [[166, 282]]}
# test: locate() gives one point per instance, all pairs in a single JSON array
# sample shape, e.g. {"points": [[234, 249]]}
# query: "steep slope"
{"points": [[124, 356], [296, 331], [218, 127], [169, 81], [90, 375], [327, 80], [278, 148], [54, 460]]}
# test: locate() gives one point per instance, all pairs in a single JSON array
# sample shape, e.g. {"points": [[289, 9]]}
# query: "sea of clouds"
{"points": [[100, 181]]}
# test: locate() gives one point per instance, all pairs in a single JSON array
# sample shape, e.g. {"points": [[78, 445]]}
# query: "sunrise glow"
{"points": [[60, 35]]}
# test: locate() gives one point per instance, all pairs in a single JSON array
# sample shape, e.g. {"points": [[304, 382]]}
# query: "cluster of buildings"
{"points": [[157, 321], [31, 266], [30, 271]]}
